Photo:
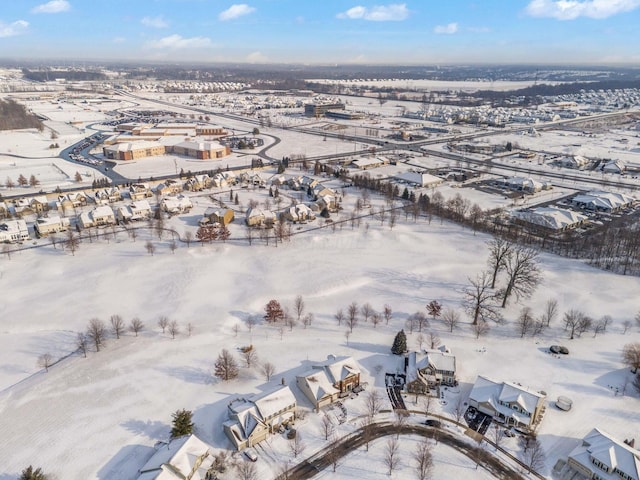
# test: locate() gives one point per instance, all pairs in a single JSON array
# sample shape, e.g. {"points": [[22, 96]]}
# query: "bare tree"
{"points": [[226, 367], [584, 324], [366, 424], [72, 242], [117, 325], [451, 318], [174, 329], [327, 427], [499, 252], [298, 307], [136, 325], [392, 454], [387, 312], [307, 320], [367, 311], [163, 323], [434, 340], [479, 300], [246, 471], [190, 328], [251, 322], [339, 316], [352, 316], [480, 329], [267, 369], [347, 334], [401, 419], [45, 361], [458, 409], [376, 319], [479, 455], [420, 341], [498, 434], [296, 445], [525, 322], [288, 319], [81, 343], [96, 332], [188, 237], [626, 325], [373, 403], [420, 320], [423, 460], [605, 321], [631, 356], [426, 404], [550, 311], [250, 356], [150, 247], [523, 273], [236, 329], [6, 249], [173, 246], [533, 455], [333, 453]]}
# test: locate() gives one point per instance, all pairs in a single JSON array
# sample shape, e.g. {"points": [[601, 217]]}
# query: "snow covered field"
{"points": [[99, 417]]}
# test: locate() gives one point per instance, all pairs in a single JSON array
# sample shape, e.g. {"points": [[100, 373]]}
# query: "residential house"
{"points": [[139, 191], [600, 456], [99, 216], [139, 210], [256, 217], [38, 205], [215, 215], [71, 201], [252, 419], [327, 382], [14, 231], [614, 166], [108, 195], [420, 179], [430, 369], [508, 403], [299, 213], [169, 187], [330, 202], [247, 178], [185, 457], [319, 190], [53, 224], [523, 184], [175, 205], [198, 183], [576, 161], [224, 179]]}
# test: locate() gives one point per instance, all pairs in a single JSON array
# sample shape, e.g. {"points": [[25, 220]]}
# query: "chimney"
{"points": [[282, 381]]}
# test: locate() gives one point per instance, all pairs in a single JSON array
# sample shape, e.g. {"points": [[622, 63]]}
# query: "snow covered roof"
{"points": [[274, 401], [339, 369], [102, 211], [498, 394], [318, 384], [417, 178], [608, 451], [550, 217], [177, 460], [602, 200], [441, 360]]}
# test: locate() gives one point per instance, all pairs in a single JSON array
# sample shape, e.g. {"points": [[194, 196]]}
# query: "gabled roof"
{"points": [[339, 369], [318, 384], [177, 459], [610, 452], [550, 217], [492, 393]]}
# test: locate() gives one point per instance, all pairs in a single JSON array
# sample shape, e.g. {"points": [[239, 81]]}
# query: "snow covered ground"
{"points": [[98, 417]]}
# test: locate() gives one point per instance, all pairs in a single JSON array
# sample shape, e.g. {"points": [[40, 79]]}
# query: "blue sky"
{"points": [[325, 31]]}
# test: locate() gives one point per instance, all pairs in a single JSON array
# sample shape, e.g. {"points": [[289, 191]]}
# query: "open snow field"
{"points": [[99, 417]]}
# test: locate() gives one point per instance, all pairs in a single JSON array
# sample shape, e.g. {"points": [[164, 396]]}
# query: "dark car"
{"points": [[433, 423], [559, 349]]}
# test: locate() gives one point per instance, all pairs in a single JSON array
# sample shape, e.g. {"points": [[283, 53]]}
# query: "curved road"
{"points": [[325, 458]]}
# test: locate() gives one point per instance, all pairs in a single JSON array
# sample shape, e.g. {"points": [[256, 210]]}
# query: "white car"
{"points": [[251, 454]]}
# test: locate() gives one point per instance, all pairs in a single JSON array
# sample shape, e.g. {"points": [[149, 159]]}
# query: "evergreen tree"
{"points": [[182, 424], [30, 473], [399, 343]]}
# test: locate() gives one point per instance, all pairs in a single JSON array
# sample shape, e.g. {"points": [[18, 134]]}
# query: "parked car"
{"points": [[251, 454], [433, 423], [509, 433], [559, 349]]}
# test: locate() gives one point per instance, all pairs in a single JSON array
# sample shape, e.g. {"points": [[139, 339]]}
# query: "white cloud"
{"points": [[235, 11], [448, 29], [257, 57], [379, 13], [12, 29], [54, 6], [572, 9], [155, 22], [176, 42]]}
